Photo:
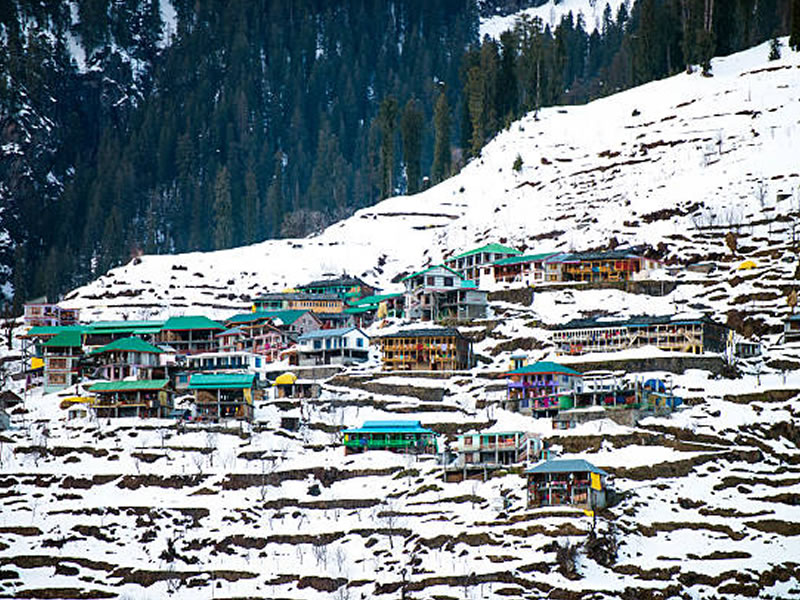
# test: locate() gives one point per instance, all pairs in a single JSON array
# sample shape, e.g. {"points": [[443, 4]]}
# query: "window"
{"points": [[430, 280], [360, 342], [317, 344], [448, 282]]}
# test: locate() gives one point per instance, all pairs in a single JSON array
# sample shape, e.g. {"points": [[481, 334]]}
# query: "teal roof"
{"points": [[544, 367], [65, 339], [103, 326], [514, 260], [129, 344], [191, 322], [358, 310], [43, 330], [391, 427], [488, 248], [376, 299], [430, 269], [216, 381], [130, 386], [566, 466], [287, 316]]}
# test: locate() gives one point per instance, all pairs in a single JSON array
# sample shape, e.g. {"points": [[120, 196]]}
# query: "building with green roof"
{"points": [[137, 398], [528, 269], [62, 354], [101, 333], [126, 357], [408, 437], [190, 334], [542, 389], [438, 293], [224, 395], [477, 262]]}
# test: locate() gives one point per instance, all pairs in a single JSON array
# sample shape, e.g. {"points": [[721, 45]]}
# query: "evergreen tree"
{"points": [[476, 102], [794, 35], [387, 120], [251, 215], [223, 217], [441, 147], [411, 131]]}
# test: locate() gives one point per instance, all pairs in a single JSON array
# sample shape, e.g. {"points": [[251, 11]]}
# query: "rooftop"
{"points": [[324, 333], [287, 317], [516, 260], [418, 273], [636, 321], [129, 344], [565, 466], [544, 367], [424, 332], [191, 322], [200, 381], [129, 386], [390, 427], [65, 339], [494, 248], [342, 280]]}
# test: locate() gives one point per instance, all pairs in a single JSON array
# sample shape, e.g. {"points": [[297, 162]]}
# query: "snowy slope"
{"points": [[551, 13]]}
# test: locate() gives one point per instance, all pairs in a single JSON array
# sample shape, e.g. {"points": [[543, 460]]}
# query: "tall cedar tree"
{"points": [[440, 170], [223, 210], [387, 120], [411, 124]]}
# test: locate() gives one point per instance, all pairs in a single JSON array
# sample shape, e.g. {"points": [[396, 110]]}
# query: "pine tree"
{"points": [[252, 210], [441, 145], [411, 131], [223, 217], [794, 35], [387, 119], [476, 101]]}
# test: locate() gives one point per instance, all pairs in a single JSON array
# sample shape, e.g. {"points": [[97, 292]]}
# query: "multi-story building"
{"points": [[476, 264], [190, 335], [347, 287], [140, 398], [128, 357], [433, 349], [672, 333], [528, 270], [479, 454], [348, 345], [224, 395], [611, 265], [438, 293], [291, 322], [408, 437], [62, 354], [566, 482], [318, 303], [542, 389], [44, 314]]}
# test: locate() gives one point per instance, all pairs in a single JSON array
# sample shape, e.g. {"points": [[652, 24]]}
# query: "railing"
{"points": [[390, 443]]}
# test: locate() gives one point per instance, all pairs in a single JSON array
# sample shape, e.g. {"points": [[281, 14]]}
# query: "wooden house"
{"points": [[408, 437], [476, 264], [222, 362], [527, 270], [291, 322], [128, 357], [438, 293], [673, 333], [479, 454], [433, 349], [377, 307], [62, 354], [333, 346], [224, 395], [542, 389], [575, 483], [190, 334], [611, 265], [100, 333], [141, 398], [318, 303], [289, 386], [347, 287]]}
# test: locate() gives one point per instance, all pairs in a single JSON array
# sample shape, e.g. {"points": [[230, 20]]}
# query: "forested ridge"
{"points": [[230, 123]]}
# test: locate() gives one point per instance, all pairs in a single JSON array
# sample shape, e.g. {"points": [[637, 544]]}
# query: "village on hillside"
{"points": [[198, 370]]}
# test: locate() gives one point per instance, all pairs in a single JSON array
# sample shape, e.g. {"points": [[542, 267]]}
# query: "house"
{"points": [[318, 303], [673, 333], [258, 337], [288, 385], [542, 389], [432, 349], [142, 398], [528, 270], [62, 354], [476, 264], [101, 333], [190, 334], [575, 483], [610, 265], [396, 436], [337, 320], [791, 329], [343, 346], [240, 360], [438, 293], [347, 287], [224, 395], [379, 306], [128, 357], [479, 454], [44, 314], [291, 322]]}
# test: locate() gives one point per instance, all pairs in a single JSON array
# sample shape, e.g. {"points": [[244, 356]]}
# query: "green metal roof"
{"points": [[287, 316], [513, 260], [488, 248], [129, 344], [43, 330], [429, 269], [390, 427], [358, 310], [128, 330], [117, 326], [130, 386], [214, 381], [191, 322], [376, 299], [65, 339], [544, 367]]}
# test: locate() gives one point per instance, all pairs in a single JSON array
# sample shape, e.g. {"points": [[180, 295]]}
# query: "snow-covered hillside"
{"points": [[551, 13], [143, 509]]}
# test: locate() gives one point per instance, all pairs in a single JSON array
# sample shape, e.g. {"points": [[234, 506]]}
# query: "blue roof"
{"points": [[565, 466], [544, 367], [324, 333], [390, 427]]}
